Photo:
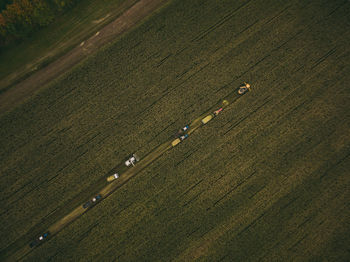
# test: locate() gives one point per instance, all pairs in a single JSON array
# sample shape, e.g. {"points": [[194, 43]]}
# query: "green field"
{"points": [[68, 30], [266, 180]]}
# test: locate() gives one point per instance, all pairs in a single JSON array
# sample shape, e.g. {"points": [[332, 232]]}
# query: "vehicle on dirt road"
{"points": [[92, 202], [207, 118], [40, 239], [132, 160], [179, 140], [182, 138], [211, 116], [113, 177]]}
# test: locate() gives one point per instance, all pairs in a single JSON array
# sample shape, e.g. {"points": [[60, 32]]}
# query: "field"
{"points": [[20, 60], [266, 180]]}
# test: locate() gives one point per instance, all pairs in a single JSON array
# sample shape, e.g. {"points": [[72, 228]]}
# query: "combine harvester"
{"points": [[244, 88], [132, 160]]}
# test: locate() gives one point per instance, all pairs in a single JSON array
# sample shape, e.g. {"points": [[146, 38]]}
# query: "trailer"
{"points": [[179, 140], [113, 177], [206, 119]]}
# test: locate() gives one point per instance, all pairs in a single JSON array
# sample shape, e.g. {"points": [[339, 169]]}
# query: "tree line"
{"points": [[21, 17]]}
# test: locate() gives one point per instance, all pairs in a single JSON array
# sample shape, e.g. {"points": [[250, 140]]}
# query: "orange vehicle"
{"points": [[244, 88]]}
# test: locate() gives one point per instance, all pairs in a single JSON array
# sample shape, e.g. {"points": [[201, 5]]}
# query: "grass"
{"points": [[267, 180], [68, 30]]}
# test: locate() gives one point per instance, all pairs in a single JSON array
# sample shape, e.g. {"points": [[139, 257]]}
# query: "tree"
{"points": [[22, 17]]}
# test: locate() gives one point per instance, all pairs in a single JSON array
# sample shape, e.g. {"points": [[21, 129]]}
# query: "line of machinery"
{"points": [[131, 161]]}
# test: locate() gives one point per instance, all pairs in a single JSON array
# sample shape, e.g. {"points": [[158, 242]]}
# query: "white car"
{"points": [[132, 160]]}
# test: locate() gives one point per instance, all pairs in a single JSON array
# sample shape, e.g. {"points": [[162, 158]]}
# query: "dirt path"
{"points": [[124, 178], [23, 90]]}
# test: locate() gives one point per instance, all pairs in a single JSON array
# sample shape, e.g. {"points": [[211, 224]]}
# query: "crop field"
{"points": [[20, 60], [267, 179]]}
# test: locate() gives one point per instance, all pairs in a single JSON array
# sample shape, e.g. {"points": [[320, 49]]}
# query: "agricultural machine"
{"points": [[244, 88], [132, 160]]}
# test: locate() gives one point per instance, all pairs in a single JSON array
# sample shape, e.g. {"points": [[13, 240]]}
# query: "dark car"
{"points": [[40, 239], [92, 202]]}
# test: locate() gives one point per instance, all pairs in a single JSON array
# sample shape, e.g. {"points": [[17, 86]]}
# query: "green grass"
{"points": [[266, 180], [68, 30]]}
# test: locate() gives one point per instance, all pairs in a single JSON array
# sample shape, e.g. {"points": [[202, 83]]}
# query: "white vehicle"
{"points": [[182, 138], [132, 160], [184, 129], [116, 175]]}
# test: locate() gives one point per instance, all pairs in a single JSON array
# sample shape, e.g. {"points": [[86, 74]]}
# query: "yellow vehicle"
{"points": [[114, 177], [207, 119], [176, 142], [244, 88], [211, 116], [179, 140]]}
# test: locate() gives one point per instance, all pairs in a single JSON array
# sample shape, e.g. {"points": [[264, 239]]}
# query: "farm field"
{"points": [[266, 180], [18, 61]]}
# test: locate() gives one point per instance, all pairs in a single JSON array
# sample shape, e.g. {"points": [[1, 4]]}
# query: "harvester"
{"points": [[244, 88]]}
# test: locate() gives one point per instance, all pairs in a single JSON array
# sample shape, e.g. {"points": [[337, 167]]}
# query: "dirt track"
{"points": [[23, 90], [130, 173]]}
